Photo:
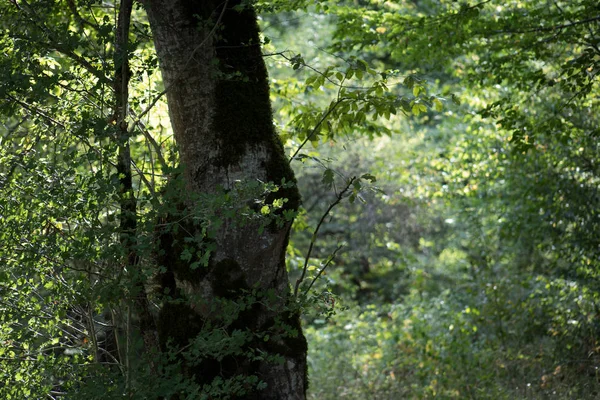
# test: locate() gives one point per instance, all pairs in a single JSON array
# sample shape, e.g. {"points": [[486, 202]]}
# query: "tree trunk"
{"points": [[218, 97]]}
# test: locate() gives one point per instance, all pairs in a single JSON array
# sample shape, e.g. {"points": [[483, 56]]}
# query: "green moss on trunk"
{"points": [[241, 125], [243, 117]]}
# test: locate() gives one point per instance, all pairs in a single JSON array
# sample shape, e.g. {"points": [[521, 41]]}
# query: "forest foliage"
{"points": [[447, 155]]}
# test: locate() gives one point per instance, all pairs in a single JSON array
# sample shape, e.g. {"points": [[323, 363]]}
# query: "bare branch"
{"points": [[337, 201]]}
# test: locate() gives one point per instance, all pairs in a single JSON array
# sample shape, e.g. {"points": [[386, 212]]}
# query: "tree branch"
{"points": [[312, 133], [550, 28], [338, 199], [82, 21]]}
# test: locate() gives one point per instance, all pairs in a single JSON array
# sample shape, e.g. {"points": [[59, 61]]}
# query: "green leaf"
{"points": [[369, 177], [186, 254], [328, 177]]}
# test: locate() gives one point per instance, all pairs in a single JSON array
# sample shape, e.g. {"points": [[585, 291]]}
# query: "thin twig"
{"points": [[34, 110], [317, 126], [338, 199], [82, 21], [329, 260], [550, 28], [151, 140]]}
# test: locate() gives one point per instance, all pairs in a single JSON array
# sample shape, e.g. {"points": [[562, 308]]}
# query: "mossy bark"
{"points": [[218, 97]]}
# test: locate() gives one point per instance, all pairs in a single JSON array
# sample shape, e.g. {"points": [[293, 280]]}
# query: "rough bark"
{"points": [[218, 97]]}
